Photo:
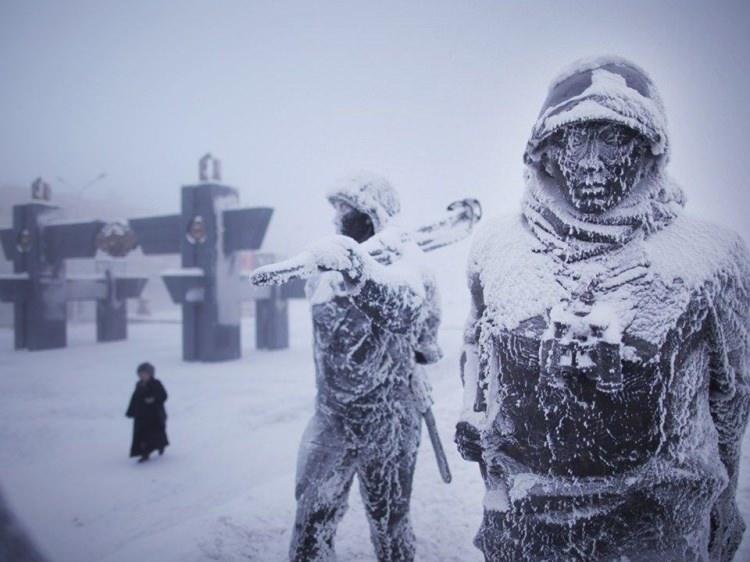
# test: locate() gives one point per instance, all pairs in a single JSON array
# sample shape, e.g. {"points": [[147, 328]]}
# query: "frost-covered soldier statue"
{"points": [[372, 324], [606, 361]]}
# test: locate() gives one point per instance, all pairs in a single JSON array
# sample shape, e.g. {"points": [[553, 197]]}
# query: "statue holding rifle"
{"points": [[375, 319]]}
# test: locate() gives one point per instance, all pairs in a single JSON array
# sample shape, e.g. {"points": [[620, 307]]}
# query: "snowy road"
{"points": [[224, 489]]}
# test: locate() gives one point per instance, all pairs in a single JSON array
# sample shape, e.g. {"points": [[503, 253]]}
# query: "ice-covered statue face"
{"points": [[352, 223], [598, 163]]}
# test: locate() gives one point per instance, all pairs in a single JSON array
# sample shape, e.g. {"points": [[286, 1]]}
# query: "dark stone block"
{"points": [[158, 235], [65, 241], [244, 229]]}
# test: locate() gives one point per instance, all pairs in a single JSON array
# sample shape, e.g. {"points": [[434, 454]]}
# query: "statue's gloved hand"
{"points": [[340, 253], [468, 441]]}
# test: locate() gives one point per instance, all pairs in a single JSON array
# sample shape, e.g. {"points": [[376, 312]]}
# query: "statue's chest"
{"points": [[340, 326], [580, 379], [586, 315]]}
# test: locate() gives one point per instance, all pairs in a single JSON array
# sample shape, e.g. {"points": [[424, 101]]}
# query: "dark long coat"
{"points": [[149, 417]]}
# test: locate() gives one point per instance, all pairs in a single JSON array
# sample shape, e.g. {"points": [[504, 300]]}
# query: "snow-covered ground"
{"points": [[224, 489]]}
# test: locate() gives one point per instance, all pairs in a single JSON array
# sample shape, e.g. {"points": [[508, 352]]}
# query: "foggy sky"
{"points": [[439, 97]]}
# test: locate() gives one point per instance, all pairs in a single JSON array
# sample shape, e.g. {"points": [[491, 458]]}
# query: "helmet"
{"points": [[370, 194]]}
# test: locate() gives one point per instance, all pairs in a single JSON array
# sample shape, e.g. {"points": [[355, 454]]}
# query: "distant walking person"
{"points": [[148, 413]]}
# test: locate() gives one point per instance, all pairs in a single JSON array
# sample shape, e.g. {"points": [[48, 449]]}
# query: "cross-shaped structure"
{"points": [[38, 243], [208, 233]]}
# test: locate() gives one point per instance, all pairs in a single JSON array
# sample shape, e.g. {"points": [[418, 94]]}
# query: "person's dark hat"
{"points": [[147, 367]]}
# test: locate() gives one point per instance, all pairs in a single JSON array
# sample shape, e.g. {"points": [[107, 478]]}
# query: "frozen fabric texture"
{"points": [[384, 464], [606, 363], [369, 334]]}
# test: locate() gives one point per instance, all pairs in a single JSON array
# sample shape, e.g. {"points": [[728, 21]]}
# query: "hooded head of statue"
{"points": [[595, 162], [601, 139], [365, 203]]}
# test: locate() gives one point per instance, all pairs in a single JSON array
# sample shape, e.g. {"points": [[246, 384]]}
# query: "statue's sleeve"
{"points": [[392, 300], [427, 349], [467, 433], [728, 324], [471, 377]]}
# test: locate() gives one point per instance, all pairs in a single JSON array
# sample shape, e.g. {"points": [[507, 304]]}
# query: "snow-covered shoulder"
{"points": [[495, 238], [405, 273], [697, 251], [517, 282]]}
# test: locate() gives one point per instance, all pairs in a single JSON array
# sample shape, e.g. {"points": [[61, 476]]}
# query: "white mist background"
{"points": [[437, 96]]}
